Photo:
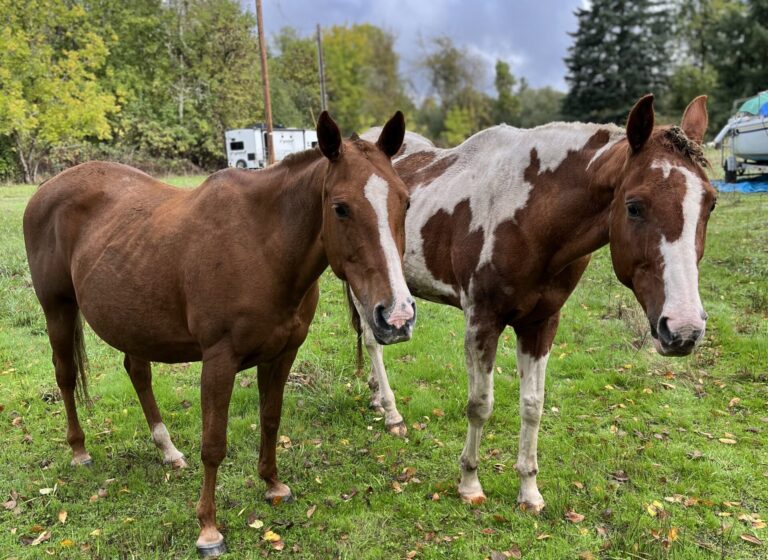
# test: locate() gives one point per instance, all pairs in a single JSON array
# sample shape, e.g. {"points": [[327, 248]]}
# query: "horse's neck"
{"points": [[585, 217], [298, 206]]}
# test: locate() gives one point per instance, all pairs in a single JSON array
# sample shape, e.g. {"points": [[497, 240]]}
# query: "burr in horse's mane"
{"points": [[225, 273], [503, 227]]}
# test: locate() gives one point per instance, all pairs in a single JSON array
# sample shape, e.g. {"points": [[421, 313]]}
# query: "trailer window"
{"points": [[236, 146]]}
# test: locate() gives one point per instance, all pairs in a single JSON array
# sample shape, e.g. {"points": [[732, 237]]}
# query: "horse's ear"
{"points": [[695, 119], [640, 123], [391, 137], [328, 137]]}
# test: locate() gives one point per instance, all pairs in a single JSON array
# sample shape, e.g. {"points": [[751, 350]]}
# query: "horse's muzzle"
{"points": [[394, 323], [679, 341]]}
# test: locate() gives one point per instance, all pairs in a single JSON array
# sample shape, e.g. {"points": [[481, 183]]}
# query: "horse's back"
{"points": [[74, 206]]}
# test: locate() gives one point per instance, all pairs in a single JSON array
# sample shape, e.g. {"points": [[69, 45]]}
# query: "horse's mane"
{"points": [[673, 138], [299, 158]]}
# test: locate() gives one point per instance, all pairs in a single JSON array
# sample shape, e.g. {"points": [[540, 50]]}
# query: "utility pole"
{"points": [[265, 80], [321, 66]]}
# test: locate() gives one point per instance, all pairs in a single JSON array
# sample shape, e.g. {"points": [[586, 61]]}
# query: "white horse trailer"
{"points": [[247, 147]]}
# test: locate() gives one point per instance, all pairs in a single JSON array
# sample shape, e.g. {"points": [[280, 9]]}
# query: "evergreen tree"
{"points": [[620, 53]]}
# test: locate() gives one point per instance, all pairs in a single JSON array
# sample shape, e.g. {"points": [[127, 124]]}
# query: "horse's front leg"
{"points": [[218, 377], [533, 346], [481, 338], [272, 377], [382, 397]]}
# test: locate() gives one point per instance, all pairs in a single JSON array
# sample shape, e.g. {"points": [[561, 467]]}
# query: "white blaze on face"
{"points": [[682, 304], [377, 191]]}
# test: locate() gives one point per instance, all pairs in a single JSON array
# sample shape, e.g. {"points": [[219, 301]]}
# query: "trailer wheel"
{"points": [[241, 164], [730, 175]]}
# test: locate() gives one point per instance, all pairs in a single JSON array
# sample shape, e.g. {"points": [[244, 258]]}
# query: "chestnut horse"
{"points": [[226, 273], [503, 227]]}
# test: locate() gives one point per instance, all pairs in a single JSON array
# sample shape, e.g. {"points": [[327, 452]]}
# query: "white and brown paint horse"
{"points": [[225, 273], [503, 226]]}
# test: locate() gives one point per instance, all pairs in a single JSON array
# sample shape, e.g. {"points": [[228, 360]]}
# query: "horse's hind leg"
{"points": [[64, 326], [140, 372]]}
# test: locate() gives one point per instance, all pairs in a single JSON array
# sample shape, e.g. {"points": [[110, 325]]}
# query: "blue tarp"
{"points": [[754, 185], [764, 110]]}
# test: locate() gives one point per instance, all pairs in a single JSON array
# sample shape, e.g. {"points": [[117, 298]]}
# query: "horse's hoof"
{"points": [[277, 500], [87, 462], [398, 430], [212, 550], [473, 499], [177, 464], [532, 508]]}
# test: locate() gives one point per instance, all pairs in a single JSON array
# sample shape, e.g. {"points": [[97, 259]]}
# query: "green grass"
{"points": [[607, 410]]}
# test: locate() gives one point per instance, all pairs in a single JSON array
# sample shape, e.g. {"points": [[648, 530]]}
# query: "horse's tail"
{"points": [[355, 320], [81, 362]]}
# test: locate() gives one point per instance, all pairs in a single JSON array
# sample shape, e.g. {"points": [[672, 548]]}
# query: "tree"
{"points": [[538, 106], [507, 106], [741, 40], [294, 77], [364, 85], [453, 74], [619, 54], [49, 92]]}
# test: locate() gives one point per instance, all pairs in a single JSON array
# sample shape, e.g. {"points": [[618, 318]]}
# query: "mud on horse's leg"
{"points": [[140, 372], [533, 347], [272, 378], [217, 380], [480, 341]]}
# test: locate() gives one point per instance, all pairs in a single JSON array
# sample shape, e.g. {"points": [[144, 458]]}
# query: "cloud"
{"points": [[530, 35]]}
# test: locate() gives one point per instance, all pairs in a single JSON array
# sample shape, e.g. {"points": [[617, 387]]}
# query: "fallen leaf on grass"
{"points": [[62, 516], [285, 442], [349, 494], [672, 535], [311, 511], [44, 536], [277, 545], [574, 517], [619, 476], [46, 491], [586, 555], [667, 386], [95, 533], [734, 402], [751, 539], [411, 554], [271, 536], [67, 543], [727, 441], [542, 536], [10, 504], [256, 524], [17, 421], [488, 531], [695, 454], [578, 484], [396, 487], [438, 412]]}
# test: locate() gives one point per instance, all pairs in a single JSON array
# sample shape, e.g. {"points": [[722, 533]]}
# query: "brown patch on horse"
{"points": [[420, 169], [527, 281], [447, 237]]}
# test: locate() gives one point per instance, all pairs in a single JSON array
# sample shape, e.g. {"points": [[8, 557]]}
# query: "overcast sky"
{"points": [[531, 35]]}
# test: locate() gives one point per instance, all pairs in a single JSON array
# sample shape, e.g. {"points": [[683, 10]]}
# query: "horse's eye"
{"points": [[712, 208], [407, 205], [342, 210], [634, 210]]}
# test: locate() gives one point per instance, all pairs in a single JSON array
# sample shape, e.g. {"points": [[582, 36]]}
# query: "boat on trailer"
{"points": [[743, 141]]}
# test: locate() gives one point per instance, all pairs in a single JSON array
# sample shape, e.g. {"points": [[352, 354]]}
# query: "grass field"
{"points": [[664, 458]]}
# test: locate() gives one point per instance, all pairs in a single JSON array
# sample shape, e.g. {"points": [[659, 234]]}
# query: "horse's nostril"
{"points": [[378, 316], [665, 335], [704, 315]]}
